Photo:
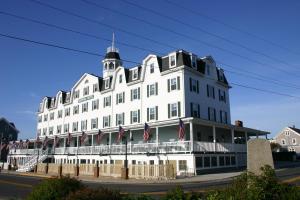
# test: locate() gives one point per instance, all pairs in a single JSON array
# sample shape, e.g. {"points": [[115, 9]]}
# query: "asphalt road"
{"points": [[17, 186]]}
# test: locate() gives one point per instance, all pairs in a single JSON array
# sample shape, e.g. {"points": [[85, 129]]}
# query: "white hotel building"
{"points": [[159, 92]]}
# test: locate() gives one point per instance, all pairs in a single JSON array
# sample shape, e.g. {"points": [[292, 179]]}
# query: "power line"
{"points": [[98, 55], [74, 31], [185, 35], [181, 6], [232, 42], [260, 77]]}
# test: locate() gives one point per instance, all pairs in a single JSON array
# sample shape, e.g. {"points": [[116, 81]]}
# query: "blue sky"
{"points": [[29, 72]]}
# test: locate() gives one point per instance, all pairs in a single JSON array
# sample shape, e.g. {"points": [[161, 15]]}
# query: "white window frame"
{"points": [[67, 112], [152, 89], [194, 85], [151, 68], [120, 119], [107, 101], [106, 121], [173, 84], [152, 112], [85, 107], [51, 132], [172, 60], [120, 98], [283, 142], [45, 117], [95, 87], [294, 141], [76, 94], [83, 125], [40, 118], [134, 116], [86, 91], [195, 110], [287, 133], [66, 128], [95, 104], [135, 94], [135, 74], [223, 116], [94, 123], [52, 116], [194, 61], [75, 109], [58, 129], [173, 109], [45, 131], [75, 126], [59, 114], [120, 78], [107, 82]]}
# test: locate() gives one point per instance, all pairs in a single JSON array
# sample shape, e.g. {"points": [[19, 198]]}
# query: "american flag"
{"points": [[146, 132], [99, 136], [83, 138], [69, 138], [181, 131], [121, 133]]}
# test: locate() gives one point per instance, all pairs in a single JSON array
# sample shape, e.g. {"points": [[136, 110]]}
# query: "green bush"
{"points": [[54, 189], [95, 194], [252, 187], [178, 194]]}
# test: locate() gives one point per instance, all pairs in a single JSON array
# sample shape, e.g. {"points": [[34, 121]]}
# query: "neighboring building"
{"points": [[158, 92], [289, 139], [8, 132]]}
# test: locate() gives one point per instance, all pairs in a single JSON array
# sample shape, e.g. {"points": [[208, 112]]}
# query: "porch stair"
{"points": [[34, 160]]}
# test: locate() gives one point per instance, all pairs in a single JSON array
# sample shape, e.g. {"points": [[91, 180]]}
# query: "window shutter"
{"points": [[209, 113], [139, 92], [156, 88], [215, 117], [123, 97], [156, 110], [147, 90], [224, 96], [226, 117], [219, 95], [168, 85], [197, 86], [213, 92], [103, 123], [178, 83], [207, 90], [191, 84], [117, 99], [221, 119], [192, 112], [179, 109], [109, 98], [198, 111], [147, 114], [139, 116], [116, 120], [169, 109], [131, 93], [103, 102], [123, 118], [109, 121], [130, 117]]}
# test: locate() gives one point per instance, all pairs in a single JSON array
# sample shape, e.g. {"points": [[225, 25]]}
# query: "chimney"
{"points": [[238, 123]]}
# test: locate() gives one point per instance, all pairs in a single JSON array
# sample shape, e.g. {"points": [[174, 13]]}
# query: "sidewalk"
{"points": [[112, 180]]}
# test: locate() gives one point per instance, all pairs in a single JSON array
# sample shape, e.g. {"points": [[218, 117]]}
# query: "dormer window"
{"points": [[95, 87], [107, 83], [151, 68], [120, 78], [221, 75], [134, 74], [194, 61], [52, 102], [76, 94], [172, 59]]}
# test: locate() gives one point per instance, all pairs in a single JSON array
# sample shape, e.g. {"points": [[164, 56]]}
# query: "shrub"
{"points": [[95, 194], [178, 194], [54, 189]]}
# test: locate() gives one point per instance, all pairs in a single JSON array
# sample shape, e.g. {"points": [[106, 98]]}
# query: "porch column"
{"points": [[214, 138], [232, 136], [92, 140], [246, 136], [192, 136], [110, 142]]}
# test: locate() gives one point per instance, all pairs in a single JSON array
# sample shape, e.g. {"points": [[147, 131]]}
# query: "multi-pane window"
{"points": [[172, 60], [222, 95], [39, 118], [135, 94], [120, 78], [75, 110], [182, 164], [67, 112], [44, 131], [76, 94], [85, 107], [152, 89], [58, 129], [75, 126], [120, 119], [152, 113], [223, 117], [106, 121], [151, 68], [195, 110], [66, 128], [107, 101], [95, 87], [194, 85], [120, 97], [59, 114], [194, 61], [45, 117], [52, 116], [95, 104], [51, 130], [174, 84], [94, 123], [86, 91], [174, 110], [83, 125], [135, 116], [211, 114], [210, 91], [134, 74], [107, 82]]}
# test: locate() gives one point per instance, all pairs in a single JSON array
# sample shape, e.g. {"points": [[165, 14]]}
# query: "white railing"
{"points": [[219, 147]]}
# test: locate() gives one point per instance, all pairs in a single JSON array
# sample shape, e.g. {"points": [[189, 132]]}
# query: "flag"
{"points": [[45, 142], [20, 146], [181, 131], [99, 136], [83, 138], [146, 132], [69, 138], [121, 133]]}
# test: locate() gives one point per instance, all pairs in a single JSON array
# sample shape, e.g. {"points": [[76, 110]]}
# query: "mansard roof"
{"points": [[112, 55]]}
